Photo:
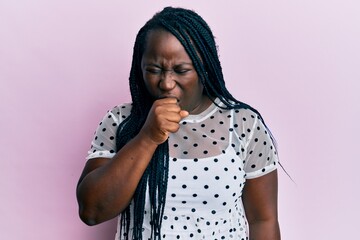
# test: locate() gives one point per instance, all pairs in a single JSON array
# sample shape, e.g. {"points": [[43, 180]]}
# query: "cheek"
{"points": [[197, 87], [149, 84]]}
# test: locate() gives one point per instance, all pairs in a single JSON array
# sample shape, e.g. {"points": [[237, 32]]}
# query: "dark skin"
{"points": [[106, 186], [260, 203]]}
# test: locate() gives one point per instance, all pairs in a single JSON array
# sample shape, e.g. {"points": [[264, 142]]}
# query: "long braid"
{"points": [[197, 38]]}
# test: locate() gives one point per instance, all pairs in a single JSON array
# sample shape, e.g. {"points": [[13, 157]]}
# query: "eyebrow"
{"points": [[176, 65]]}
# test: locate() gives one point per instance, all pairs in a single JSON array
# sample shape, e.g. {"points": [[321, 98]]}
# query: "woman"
{"points": [[184, 160]]}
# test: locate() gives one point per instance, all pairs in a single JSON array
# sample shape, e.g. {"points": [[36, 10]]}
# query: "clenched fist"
{"points": [[163, 118]]}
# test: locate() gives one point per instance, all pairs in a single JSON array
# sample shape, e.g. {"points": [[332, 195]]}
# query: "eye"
{"points": [[181, 70], [155, 71]]}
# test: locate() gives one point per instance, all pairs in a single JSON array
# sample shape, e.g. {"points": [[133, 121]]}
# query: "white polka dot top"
{"points": [[211, 156]]}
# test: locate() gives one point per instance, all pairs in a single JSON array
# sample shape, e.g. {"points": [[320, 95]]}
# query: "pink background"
{"points": [[63, 64]]}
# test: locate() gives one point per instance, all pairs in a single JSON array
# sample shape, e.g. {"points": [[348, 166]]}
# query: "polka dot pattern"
{"points": [[211, 156]]}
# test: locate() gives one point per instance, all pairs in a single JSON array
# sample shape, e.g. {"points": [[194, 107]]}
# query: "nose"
{"points": [[167, 81]]}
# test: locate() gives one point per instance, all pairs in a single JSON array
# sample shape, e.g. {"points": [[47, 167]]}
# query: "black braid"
{"points": [[197, 38]]}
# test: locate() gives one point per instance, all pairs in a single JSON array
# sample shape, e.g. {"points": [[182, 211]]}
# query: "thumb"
{"points": [[184, 113]]}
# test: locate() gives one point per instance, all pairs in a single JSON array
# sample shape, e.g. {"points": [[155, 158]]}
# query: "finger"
{"points": [[172, 127], [167, 100], [172, 116], [184, 114]]}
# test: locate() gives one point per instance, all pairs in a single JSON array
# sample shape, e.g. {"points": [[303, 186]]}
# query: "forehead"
{"points": [[161, 44], [159, 36]]}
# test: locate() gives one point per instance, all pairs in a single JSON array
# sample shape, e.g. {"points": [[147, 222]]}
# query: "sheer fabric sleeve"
{"points": [[260, 155], [104, 141]]}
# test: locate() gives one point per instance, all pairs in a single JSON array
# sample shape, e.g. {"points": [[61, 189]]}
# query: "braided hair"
{"points": [[198, 40]]}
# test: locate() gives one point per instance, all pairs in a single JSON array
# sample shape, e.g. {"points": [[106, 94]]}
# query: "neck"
{"points": [[203, 105]]}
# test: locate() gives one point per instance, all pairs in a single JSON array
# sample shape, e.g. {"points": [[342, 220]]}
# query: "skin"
{"points": [[106, 186], [260, 203], [168, 72]]}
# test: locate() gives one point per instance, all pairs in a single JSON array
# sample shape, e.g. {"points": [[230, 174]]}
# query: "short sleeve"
{"points": [[261, 154], [104, 141]]}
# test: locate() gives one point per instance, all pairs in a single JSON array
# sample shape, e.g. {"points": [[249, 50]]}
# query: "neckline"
{"points": [[204, 114]]}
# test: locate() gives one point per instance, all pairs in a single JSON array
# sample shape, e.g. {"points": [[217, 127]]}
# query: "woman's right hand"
{"points": [[163, 118]]}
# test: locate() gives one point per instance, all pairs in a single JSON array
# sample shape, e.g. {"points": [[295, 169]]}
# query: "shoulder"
{"points": [[241, 113], [119, 112], [121, 109]]}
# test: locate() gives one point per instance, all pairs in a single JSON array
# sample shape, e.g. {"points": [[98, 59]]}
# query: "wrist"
{"points": [[146, 141]]}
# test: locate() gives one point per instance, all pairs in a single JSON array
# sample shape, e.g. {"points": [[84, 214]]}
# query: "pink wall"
{"points": [[64, 63]]}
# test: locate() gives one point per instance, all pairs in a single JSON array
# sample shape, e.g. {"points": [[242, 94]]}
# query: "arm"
{"points": [[260, 203], [106, 186]]}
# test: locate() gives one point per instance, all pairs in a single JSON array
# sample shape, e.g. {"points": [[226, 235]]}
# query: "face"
{"points": [[169, 72]]}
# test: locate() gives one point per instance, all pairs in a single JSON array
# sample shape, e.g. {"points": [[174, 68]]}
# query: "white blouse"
{"points": [[211, 156]]}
